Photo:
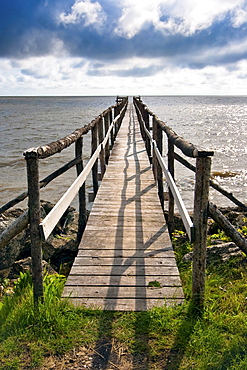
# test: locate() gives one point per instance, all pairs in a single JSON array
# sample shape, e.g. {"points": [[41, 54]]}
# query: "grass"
{"points": [[162, 338]]}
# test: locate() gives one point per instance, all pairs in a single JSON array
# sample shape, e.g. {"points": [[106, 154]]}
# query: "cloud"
{"points": [[58, 43], [60, 77], [239, 17], [107, 30], [136, 15], [131, 71], [86, 11], [183, 17]]}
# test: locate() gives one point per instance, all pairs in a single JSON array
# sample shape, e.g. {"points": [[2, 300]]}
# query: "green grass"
{"points": [[162, 338]]}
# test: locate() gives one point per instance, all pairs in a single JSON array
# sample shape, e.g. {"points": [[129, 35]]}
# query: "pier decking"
{"points": [[125, 259]]}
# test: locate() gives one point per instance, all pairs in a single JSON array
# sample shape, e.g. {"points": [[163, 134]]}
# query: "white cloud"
{"points": [[69, 76], [90, 13], [239, 18], [181, 16], [136, 14], [197, 15]]}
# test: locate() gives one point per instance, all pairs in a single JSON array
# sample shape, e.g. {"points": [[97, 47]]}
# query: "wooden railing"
{"points": [[197, 231], [188, 224], [103, 129]]}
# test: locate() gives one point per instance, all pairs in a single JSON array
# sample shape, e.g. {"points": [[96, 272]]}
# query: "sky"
{"points": [[127, 47]]}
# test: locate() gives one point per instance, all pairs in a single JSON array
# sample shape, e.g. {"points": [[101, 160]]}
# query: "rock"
{"points": [[218, 253], [5, 273], [14, 248], [25, 265], [59, 250], [178, 223]]}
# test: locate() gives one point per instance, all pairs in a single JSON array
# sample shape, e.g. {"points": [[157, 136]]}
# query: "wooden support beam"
{"points": [[94, 144], [154, 161], [203, 166], [212, 183], [186, 147], [107, 147], [112, 131], [229, 229], [158, 138], [102, 152], [14, 229], [170, 222], [82, 220], [42, 183], [48, 150], [147, 141], [34, 218]]}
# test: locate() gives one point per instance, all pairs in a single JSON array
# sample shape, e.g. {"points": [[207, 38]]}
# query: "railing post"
{"points": [[148, 145], [203, 166], [107, 147], [157, 134], [112, 131], [170, 220], [82, 192], [94, 145], [32, 163], [143, 133], [116, 124], [154, 160], [102, 152]]}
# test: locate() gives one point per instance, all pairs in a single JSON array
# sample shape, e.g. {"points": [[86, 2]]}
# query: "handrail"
{"points": [[50, 221], [54, 147], [202, 180], [212, 183], [188, 224], [189, 149], [42, 183], [32, 156]]}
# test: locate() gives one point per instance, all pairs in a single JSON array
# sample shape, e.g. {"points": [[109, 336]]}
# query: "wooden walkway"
{"points": [[125, 248]]}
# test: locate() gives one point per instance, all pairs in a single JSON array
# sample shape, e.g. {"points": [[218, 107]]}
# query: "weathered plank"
{"points": [[126, 280], [126, 244], [124, 253], [126, 261], [122, 292], [126, 304], [118, 270]]}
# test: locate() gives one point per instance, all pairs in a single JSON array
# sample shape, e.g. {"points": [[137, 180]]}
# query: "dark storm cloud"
{"points": [[34, 28], [26, 28]]}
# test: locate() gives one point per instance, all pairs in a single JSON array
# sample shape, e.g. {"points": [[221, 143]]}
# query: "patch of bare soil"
{"points": [[105, 356]]}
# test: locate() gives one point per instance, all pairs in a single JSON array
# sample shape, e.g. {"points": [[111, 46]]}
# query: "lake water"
{"points": [[212, 122]]}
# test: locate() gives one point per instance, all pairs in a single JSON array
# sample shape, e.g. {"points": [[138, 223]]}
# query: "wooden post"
{"points": [[141, 119], [203, 166], [148, 144], [34, 219], [159, 137], [116, 124], [82, 192], [94, 145], [112, 131], [107, 147], [102, 153], [170, 222], [154, 161]]}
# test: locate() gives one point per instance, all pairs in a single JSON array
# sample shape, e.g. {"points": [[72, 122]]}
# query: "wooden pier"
{"points": [[125, 259]]}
